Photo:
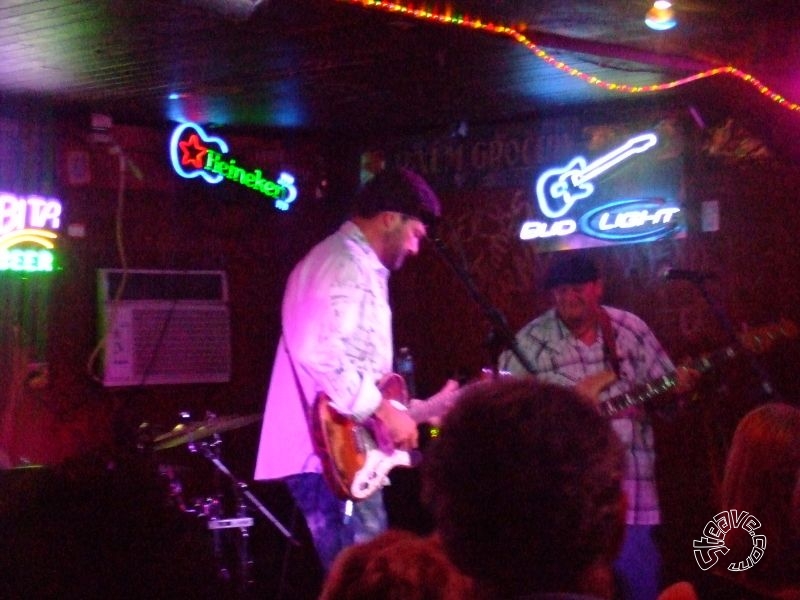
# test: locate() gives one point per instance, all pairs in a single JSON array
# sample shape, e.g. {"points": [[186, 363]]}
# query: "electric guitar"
{"points": [[357, 457], [756, 340]]}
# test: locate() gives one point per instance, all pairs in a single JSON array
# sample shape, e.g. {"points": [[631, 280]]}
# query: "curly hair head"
{"points": [[396, 565], [524, 481]]}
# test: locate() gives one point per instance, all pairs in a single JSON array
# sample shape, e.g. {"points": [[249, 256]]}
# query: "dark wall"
{"points": [[160, 221]]}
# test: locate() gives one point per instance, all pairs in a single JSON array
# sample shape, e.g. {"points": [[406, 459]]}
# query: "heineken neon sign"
{"points": [[27, 238], [194, 153]]}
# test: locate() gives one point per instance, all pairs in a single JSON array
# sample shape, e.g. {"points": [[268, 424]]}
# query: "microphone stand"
{"points": [[722, 318], [501, 335]]}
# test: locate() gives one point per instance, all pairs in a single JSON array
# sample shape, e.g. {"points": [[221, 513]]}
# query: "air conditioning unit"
{"points": [[165, 327]]}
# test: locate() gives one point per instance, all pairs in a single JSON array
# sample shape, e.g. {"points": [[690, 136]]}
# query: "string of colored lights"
{"points": [[451, 19]]}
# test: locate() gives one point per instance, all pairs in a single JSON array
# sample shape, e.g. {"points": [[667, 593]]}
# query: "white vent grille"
{"points": [[167, 327]]}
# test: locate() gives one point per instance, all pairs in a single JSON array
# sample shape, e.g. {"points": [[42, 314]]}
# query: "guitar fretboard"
{"points": [[662, 385], [433, 407]]}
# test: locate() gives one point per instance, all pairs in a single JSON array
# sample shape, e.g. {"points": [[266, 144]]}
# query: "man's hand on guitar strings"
{"points": [[686, 379], [401, 427], [591, 386]]}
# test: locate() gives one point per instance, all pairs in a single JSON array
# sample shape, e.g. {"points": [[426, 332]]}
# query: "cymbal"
{"points": [[197, 430]]}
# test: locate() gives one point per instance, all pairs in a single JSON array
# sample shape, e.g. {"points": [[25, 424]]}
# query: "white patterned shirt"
{"points": [[558, 357], [337, 324]]}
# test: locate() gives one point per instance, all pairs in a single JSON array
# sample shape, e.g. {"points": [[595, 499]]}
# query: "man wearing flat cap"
{"points": [[604, 352], [337, 341]]}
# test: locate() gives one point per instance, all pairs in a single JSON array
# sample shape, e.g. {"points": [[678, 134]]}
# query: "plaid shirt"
{"points": [[558, 357]]}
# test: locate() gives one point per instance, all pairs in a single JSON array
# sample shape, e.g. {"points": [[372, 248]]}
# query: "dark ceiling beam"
{"points": [[616, 51]]}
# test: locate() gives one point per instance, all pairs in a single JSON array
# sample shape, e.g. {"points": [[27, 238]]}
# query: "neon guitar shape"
{"points": [[559, 188]]}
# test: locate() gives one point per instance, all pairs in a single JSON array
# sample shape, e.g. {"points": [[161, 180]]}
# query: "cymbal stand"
{"points": [[242, 522], [240, 486], [212, 510]]}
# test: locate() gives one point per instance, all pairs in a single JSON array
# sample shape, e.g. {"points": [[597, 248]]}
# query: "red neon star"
{"points": [[194, 152]]}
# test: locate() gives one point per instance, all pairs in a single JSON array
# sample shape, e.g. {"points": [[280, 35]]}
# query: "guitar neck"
{"points": [[435, 406], [663, 385], [439, 404]]}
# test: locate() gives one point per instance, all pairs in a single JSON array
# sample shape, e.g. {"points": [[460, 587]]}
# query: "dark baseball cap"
{"points": [[571, 268], [398, 190]]}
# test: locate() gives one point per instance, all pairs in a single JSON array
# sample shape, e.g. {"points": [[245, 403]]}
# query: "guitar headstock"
{"points": [[761, 339]]}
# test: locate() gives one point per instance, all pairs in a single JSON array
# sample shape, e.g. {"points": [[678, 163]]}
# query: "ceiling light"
{"points": [[661, 16]]}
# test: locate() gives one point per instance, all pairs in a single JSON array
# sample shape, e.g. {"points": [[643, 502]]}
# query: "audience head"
{"points": [[396, 565], [762, 478], [524, 482]]}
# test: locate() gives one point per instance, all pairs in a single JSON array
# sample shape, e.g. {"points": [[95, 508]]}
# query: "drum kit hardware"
{"points": [[184, 433], [203, 438]]}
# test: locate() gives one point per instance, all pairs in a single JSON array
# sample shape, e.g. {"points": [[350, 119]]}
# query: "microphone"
{"points": [[670, 274]]}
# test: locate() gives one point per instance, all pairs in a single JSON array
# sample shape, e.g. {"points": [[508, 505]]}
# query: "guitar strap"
{"points": [[337, 486], [307, 408], [609, 341]]}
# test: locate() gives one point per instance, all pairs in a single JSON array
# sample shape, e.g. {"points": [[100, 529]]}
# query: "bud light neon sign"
{"points": [[589, 203], [194, 153]]}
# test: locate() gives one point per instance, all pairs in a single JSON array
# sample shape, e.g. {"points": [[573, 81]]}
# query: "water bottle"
{"points": [[404, 365]]}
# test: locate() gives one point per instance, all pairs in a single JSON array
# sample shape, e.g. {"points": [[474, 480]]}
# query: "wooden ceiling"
{"points": [[336, 65]]}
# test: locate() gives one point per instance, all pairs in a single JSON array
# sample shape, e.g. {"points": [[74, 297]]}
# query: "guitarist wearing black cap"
{"points": [[603, 352], [337, 344]]}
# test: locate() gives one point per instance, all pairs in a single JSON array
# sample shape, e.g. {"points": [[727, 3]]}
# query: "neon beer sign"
{"points": [[631, 220], [194, 153], [567, 199], [558, 189], [27, 238]]}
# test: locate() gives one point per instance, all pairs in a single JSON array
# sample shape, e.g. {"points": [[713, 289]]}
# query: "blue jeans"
{"points": [[638, 566], [332, 528]]}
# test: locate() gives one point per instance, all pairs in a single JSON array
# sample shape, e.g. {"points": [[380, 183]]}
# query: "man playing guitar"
{"points": [[337, 341], [578, 343]]}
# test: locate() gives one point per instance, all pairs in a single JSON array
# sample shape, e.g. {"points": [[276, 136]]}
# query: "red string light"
{"points": [[450, 19]]}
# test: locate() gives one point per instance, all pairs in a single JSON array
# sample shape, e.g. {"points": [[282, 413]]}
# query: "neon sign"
{"points": [[578, 211], [559, 188], [623, 221], [631, 220], [194, 153], [26, 239]]}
